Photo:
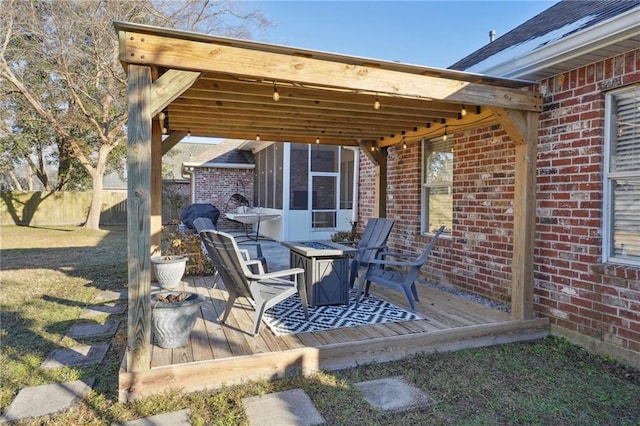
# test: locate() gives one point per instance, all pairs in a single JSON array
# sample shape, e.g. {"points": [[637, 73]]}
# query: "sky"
{"points": [[429, 33]]}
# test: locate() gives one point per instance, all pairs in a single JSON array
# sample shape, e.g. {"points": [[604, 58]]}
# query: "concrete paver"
{"points": [[79, 331], [393, 394], [76, 356], [36, 401], [97, 310], [110, 295], [288, 408], [176, 418]]}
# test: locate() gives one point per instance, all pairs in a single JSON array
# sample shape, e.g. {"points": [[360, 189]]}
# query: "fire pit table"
{"points": [[326, 270]]}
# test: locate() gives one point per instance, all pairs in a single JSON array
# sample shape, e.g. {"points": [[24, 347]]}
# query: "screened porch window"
{"points": [[437, 185], [621, 236]]}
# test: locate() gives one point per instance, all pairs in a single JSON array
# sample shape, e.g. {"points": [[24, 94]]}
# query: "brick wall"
{"points": [[216, 186], [572, 286]]}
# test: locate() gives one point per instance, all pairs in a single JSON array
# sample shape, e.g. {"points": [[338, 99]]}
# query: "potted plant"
{"points": [[173, 315], [169, 270]]}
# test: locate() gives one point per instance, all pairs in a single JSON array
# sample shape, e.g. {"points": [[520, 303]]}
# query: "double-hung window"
{"points": [[621, 233], [437, 185]]}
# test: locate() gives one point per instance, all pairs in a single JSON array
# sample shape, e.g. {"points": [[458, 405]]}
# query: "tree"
{"points": [[66, 90]]}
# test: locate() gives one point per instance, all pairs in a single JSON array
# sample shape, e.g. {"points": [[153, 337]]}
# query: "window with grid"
{"points": [[437, 185], [621, 225]]}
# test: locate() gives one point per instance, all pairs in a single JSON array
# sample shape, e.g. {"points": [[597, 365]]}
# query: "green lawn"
{"points": [[49, 276]]}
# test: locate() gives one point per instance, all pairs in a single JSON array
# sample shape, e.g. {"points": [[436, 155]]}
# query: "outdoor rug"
{"points": [[287, 316]]}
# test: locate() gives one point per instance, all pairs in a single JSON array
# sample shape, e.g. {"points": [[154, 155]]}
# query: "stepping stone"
{"points": [[80, 331], [97, 310], [43, 400], [77, 356], [177, 418], [288, 408], [393, 394], [110, 295]]}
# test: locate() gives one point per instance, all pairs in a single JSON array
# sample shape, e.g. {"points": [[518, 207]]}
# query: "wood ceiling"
{"points": [[323, 97]]}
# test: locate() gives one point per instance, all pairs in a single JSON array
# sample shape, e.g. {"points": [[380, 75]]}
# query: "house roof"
{"points": [[224, 154], [568, 35]]}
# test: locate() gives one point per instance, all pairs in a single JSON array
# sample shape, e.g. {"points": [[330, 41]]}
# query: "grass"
{"points": [[50, 275]]}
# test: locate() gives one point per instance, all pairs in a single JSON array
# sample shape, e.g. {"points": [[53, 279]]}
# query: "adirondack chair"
{"points": [[374, 239], [397, 274], [264, 289], [203, 223]]}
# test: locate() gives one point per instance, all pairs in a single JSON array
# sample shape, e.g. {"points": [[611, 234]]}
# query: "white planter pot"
{"points": [[169, 270]]}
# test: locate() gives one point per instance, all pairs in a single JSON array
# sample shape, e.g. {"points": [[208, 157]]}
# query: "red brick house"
{"points": [[585, 57]]}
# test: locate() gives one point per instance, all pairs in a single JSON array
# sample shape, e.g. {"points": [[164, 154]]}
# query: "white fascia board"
{"points": [[219, 165], [600, 35]]}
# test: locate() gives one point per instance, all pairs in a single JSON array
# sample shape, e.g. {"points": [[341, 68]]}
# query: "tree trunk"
{"points": [[97, 175]]}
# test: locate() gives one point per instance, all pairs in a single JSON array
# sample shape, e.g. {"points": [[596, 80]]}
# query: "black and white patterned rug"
{"points": [[287, 316]]}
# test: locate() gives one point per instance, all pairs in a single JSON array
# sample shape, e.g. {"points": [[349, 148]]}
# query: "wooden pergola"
{"points": [[182, 83]]}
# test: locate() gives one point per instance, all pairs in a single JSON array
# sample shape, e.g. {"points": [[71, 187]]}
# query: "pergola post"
{"points": [[156, 188], [522, 127], [139, 211], [380, 208]]}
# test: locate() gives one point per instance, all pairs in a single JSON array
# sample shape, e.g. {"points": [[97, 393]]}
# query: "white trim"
{"points": [[598, 36], [220, 165]]}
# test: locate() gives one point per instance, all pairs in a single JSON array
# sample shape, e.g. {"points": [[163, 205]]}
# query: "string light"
{"points": [[258, 138], [376, 104], [404, 143], [276, 95], [317, 140], [463, 111], [445, 137]]}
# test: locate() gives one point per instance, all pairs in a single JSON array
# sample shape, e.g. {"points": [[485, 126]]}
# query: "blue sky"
{"points": [[430, 33]]}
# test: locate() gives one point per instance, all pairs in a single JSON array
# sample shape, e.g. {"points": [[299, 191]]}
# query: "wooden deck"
{"points": [[226, 353]]}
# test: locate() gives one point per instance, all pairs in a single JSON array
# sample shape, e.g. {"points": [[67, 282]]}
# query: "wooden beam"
{"points": [[169, 86], [172, 140], [524, 218], [217, 58], [380, 208], [515, 123], [138, 213]]}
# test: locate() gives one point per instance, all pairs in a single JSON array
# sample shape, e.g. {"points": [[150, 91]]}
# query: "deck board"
{"points": [[228, 353]]}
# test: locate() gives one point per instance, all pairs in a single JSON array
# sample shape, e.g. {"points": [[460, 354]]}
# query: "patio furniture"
{"points": [[374, 239], [326, 268], [203, 223], [249, 217], [264, 289], [397, 274]]}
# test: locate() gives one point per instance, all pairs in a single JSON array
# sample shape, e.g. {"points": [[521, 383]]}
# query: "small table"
{"points": [[326, 270]]}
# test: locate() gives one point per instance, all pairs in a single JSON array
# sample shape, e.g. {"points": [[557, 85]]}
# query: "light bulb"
{"points": [[188, 133], [276, 95], [404, 144], [376, 104], [258, 137], [444, 137], [463, 112], [317, 140]]}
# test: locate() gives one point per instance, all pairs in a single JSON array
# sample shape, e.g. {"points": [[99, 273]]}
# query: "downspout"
{"points": [[187, 172], [356, 180]]}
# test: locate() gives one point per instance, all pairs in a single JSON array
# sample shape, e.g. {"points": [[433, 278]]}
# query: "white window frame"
{"points": [[613, 125], [425, 187]]}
